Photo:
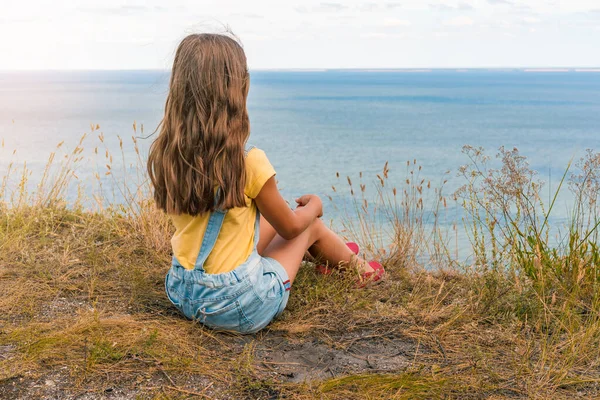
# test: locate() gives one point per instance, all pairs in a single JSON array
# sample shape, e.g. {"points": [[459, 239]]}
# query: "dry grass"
{"points": [[83, 310]]}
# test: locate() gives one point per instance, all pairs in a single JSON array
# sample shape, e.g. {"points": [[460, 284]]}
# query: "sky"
{"points": [[280, 34]]}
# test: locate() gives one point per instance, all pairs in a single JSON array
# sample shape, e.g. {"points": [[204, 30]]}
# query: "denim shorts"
{"points": [[244, 300]]}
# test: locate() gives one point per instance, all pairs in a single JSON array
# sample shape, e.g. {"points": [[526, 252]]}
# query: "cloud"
{"points": [[391, 6], [500, 2], [254, 37], [371, 6], [502, 24], [531, 20], [334, 6], [16, 20], [452, 7], [459, 21], [322, 7], [123, 10], [383, 35], [374, 35], [247, 15], [389, 22]]}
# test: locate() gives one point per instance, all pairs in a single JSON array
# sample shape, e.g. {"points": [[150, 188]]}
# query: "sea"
{"points": [[321, 127]]}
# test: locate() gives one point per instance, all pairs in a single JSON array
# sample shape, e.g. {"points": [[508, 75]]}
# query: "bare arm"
{"points": [[287, 223]]}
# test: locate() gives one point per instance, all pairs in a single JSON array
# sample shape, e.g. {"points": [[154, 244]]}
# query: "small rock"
{"points": [[50, 383]]}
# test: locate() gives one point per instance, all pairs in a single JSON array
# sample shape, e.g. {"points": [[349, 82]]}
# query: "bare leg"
{"points": [[267, 233], [289, 253]]}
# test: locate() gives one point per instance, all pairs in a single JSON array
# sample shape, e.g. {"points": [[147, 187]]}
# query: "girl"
{"points": [[237, 245]]}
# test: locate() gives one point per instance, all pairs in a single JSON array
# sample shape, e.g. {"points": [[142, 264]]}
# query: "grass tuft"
{"points": [[83, 299]]}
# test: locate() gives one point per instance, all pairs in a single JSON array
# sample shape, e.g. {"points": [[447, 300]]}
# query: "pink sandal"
{"points": [[325, 270], [353, 247], [369, 277]]}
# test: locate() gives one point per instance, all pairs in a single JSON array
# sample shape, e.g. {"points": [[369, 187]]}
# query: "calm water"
{"points": [[312, 124]]}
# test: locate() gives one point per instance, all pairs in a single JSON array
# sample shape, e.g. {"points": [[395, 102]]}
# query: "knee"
{"points": [[317, 227], [317, 224]]}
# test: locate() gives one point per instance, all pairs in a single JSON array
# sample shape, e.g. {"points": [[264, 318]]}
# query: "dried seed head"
{"points": [[394, 191], [349, 181]]}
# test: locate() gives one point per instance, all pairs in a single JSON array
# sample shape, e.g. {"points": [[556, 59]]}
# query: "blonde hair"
{"points": [[200, 146]]}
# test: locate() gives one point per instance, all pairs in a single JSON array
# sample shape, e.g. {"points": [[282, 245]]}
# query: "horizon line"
{"points": [[351, 69]]}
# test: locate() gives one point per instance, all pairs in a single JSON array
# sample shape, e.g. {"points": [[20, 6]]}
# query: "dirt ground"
{"points": [[277, 357]]}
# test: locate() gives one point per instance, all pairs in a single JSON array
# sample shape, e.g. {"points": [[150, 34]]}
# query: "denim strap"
{"points": [[215, 222], [257, 222], [256, 228]]}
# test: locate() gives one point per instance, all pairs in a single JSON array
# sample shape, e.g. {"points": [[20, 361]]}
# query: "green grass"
{"points": [[82, 293]]}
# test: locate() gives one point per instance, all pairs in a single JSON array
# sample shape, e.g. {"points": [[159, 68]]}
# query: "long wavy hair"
{"points": [[200, 147]]}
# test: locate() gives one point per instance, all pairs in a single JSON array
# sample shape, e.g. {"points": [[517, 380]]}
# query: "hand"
{"points": [[303, 200], [313, 200]]}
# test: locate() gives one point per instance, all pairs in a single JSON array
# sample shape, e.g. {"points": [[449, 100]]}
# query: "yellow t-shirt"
{"points": [[236, 239]]}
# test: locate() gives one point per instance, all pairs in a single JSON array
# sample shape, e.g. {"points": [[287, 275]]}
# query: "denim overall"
{"points": [[244, 300]]}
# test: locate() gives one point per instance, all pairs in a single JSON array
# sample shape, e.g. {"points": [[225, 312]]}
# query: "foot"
{"points": [[366, 268], [372, 272], [325, 270]]}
